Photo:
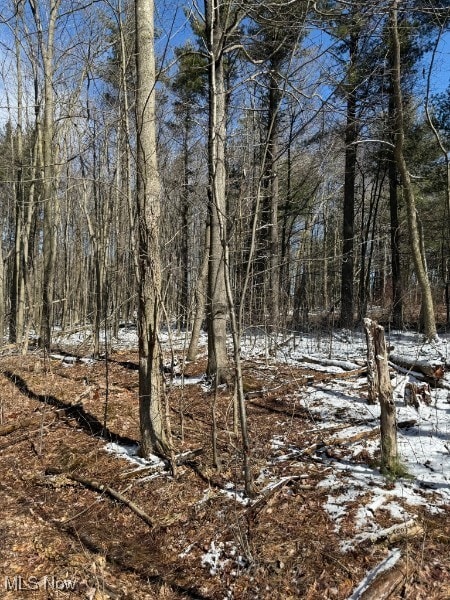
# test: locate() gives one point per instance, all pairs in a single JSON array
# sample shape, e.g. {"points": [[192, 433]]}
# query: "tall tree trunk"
{"points": [[49, 201], [272, 158], [397, 288], [445, 268], [369, 222], [151, 386], [348, 225], [184, 297], [17, 295], [286, 229], [2, 295], [413, 227], [217, 311]]}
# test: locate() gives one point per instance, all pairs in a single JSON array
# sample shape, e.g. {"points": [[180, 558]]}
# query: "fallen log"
{"points": [[257, 506], [328, 362], [403, 371], [367, 434], [395, 533], [340, 441], [25, 436], [383, 580], [406, 424], [322, 376], [179, 460], [432, 370]]}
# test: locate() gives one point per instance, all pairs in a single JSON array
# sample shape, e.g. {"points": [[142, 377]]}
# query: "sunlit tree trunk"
{"points": [[272, 157], [217, 309], [17, 295], [380, 389], [151, 385], [49, 200], [413, 227]]}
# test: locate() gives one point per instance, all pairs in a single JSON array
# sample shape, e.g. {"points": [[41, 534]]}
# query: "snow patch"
{"points": [[130, 453], [212, 558]]}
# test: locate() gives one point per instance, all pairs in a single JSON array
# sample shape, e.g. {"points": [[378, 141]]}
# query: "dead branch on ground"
{"points": [[103, 489]]}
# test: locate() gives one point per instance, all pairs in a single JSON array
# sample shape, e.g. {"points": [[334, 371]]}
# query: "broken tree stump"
{"points": [[379, 378], [415, 393]]}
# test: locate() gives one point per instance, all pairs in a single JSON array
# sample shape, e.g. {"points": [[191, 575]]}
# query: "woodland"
{"points": [[224, 299]]}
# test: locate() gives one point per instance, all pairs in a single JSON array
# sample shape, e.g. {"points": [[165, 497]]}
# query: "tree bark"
{"points": [[348, 225], [49, 200], [200, 300], [397, 288], [413, 227], [2, 296], [273, 192], [17, 295], [381, 380], [217, 311], [151, 388]]}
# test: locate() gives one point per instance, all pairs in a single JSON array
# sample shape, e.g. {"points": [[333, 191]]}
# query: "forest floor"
{"points": [[317, 527]]}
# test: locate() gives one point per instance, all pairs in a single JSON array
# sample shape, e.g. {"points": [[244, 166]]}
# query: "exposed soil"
{"points": [[282, 545]]}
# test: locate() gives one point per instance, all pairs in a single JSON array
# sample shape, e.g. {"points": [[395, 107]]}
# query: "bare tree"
{"points": [[216, 30], [151, 386], [413, 227], [47, 47]]}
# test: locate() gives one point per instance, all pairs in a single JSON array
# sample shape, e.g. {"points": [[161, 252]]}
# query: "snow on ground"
{"points": [[424, 447], [151, 466], [221, 553]]}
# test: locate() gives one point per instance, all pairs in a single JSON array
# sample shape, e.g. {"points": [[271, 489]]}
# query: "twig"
{"points": [[104, 489]]}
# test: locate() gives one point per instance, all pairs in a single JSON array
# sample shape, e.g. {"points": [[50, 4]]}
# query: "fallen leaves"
{"points": [[287, 542]]}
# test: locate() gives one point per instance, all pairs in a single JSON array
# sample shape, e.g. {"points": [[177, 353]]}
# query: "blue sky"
{"points": [[174, 28], [441, 71]]}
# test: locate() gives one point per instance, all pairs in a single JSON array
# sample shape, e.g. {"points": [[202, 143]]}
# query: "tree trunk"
{"points": [[184, 297], [273, 188], [49, 201], [2, 296], [151, 405], [397, 288], [17, 295], [217, 312], [413, 227], [445, 155], [351, 132], [200, 300]]}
